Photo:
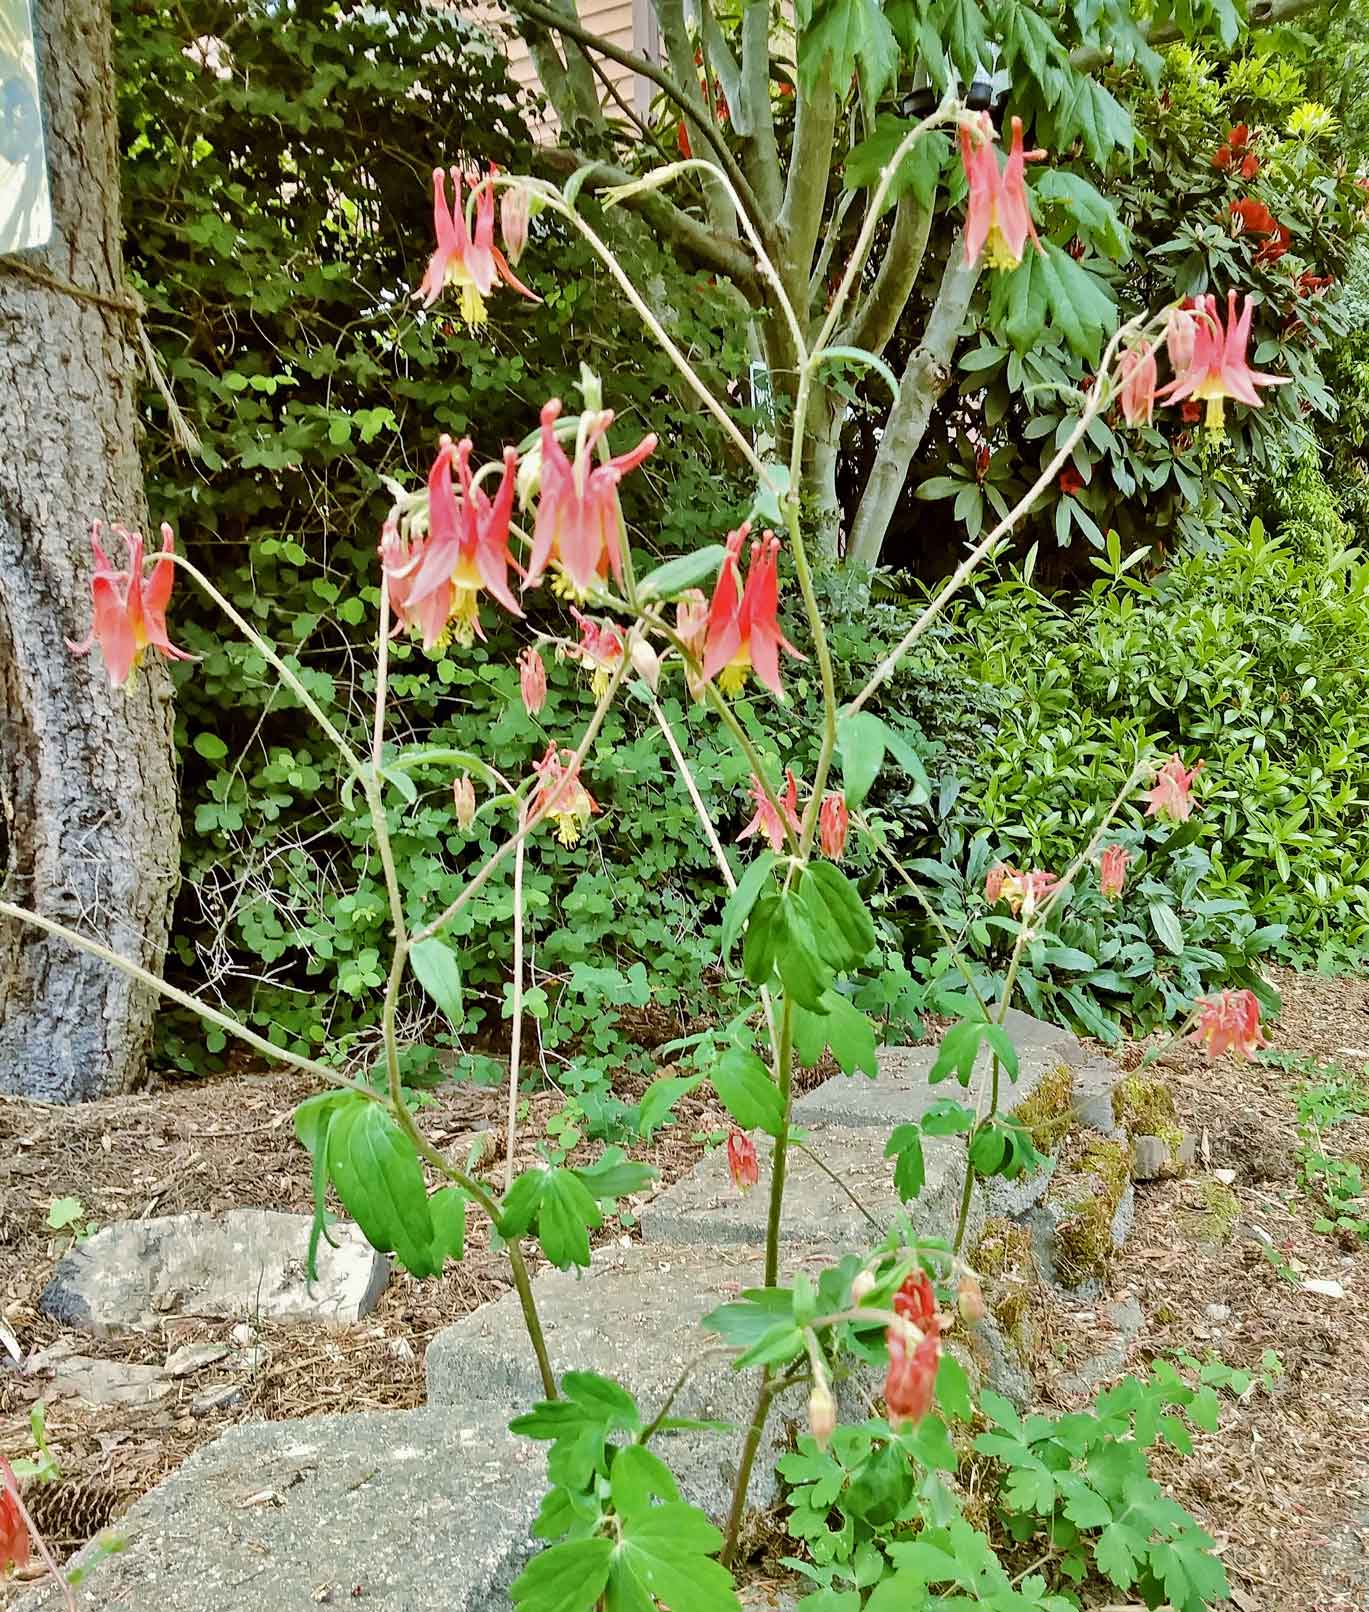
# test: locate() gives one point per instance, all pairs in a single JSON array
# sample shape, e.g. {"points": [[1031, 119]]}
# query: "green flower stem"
{"points": [[779, 1158], [771, 1385]]}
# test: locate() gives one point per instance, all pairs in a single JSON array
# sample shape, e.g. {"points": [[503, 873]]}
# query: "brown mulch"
{"points": [[1283, 1486]]}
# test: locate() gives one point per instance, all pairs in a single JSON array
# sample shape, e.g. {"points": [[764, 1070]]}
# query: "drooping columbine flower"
{"points": [[767, 820], [915, 1301], [1230, 1022], [1218, 369], [561, 796], [466, 550], [1139, 377], [1171, 797], [822, 1414], [910, 1380], [1181, 337], [999, 219], [743, 621], [1024, 892], [129, 610], [14, 1533], [471, 264], [600, 650], [1112, 871], [578, 519], [833, 823], [532, 680], [742, 1163], [463, 799]]}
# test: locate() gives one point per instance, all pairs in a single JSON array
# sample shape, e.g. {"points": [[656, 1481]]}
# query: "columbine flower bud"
{"points": [[822, 1414], [969, 1298], [833, 823], [532, 680], [742, 1163], [515, 208], [646, 663], [463, 796], [862, 1285]]}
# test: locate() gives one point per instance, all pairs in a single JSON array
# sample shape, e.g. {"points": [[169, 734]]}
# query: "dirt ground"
{"points": [[1283, 1486]]}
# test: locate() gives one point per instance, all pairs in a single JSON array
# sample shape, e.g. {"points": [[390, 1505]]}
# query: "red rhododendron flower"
{"points": [[1308, 282], [1230, 1022], [1139, 377], [1069, 481], [910, 1381], [1171, 798], [14, 1534], [1254, 218], [532, 680], [129, 609], [1112, 870], [915, 1301], [999, 220], [767, 820], [578, 518], [833, 823], [742, 1164], [601, 649], [1218, 369], [743, 622], [1235, 152], [561, 796], [469, 263], [466, 550]]}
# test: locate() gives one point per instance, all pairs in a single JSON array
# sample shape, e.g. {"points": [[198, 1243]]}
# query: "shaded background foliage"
{"points": [[277, 216]]}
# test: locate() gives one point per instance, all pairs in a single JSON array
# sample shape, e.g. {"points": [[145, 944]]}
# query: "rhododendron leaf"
{"points": [[438, 972], [744, 1087], [743, 899], [566, 1578], [845, 930], [378, 1177], [1167, 927], [687, 571]]}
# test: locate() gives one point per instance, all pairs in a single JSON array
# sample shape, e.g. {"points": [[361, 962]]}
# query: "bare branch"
{"points": [[810, 166], [761, 154], [670, 15], [925, 378], [878, 314]]}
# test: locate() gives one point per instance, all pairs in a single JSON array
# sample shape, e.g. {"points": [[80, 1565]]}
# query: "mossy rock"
{"points": [[1143, 1106], [1014, 1293], [1086, 1196], [1215, 1221], [1046, 1113]]}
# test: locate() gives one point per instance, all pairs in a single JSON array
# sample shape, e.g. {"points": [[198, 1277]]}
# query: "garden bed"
{"points": [[1283, 1486]]}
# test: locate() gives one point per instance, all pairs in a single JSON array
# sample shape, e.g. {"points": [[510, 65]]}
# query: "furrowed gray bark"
{"points": [[88, 819]]}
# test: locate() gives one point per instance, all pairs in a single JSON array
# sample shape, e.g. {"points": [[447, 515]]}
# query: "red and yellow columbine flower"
{"points": [[1112, 871], [129, 609], [600, 650], [532, 680], [691, 627], [14, 1533], [578, 519], [743, 632], [1230, 1022], [1171, 797], [742, 1163], [470, 264], [435, 582], [999, 221], [1139, 374], [833, 823], [1218, 368], [767, 820], [1024, 892], [910, 1380], [515, 209], [561, 796]]}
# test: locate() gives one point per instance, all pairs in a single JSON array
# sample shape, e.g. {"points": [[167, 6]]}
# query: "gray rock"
{"points": [[1014, 1198], [193, 1357], [706, 1207], [1218, 1312], [245, 1262], [901, 1095], [655, 1297], [1045, 1221], [1092, 1100], [1149, 1158], [400, 1510], [1127, 1319], [112, 1382]]}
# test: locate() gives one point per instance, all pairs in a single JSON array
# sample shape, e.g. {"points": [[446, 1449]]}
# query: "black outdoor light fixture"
{"points": [[988, 91]]}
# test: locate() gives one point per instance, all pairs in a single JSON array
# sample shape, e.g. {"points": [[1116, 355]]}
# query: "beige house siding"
{"points": [[630, 24]]}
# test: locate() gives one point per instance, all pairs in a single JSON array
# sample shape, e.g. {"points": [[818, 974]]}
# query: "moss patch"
{"points": [[1006, 1266], [1145, 1107], [1216, 1220], [1046, 1113], [1087, 1194]]}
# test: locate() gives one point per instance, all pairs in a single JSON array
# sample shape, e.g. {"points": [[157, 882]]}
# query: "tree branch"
{"points": [[688, 103], [810, 165], [579, 74], [925, 378], [1262, 14], [670, 15], [762, 154], [710, 250], [879, 313]]}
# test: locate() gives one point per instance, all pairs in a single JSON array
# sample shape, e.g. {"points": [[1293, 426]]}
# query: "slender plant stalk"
{"points": [[832, 1176], [516, 1032], [779, 1158]]}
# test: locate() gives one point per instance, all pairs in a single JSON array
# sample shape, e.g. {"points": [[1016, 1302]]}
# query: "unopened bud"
{"points": [[969, 1298], [463, 797], [822, 1414], [862, 1285], [646, 663]]}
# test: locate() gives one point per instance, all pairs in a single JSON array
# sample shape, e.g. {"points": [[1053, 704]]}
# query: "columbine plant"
{"points": [[796, 925]]}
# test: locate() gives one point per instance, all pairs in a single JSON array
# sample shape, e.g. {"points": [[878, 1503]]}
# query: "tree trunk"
{"points": [[88, 820]]}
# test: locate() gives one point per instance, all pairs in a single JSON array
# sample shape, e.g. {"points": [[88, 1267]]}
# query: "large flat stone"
{"points": [[634, 1317], [706, 1207], [399, 1510], [901, 1094], [245, 1263]]}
